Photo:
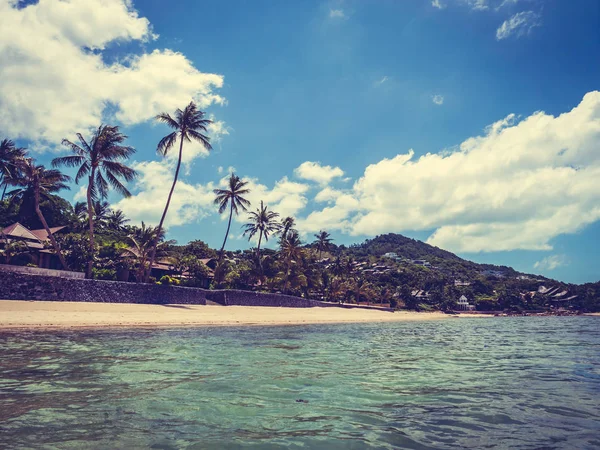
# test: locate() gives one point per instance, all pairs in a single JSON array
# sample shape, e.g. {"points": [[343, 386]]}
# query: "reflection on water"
{"points": [[476, 383]]}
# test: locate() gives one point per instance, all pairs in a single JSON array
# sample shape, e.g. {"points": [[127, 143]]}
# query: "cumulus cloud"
{"points": [[437, 4], [437, 99], [518, 25], [193, 202], [551, 262], [314, 171], [517, 186], [55, 80]]}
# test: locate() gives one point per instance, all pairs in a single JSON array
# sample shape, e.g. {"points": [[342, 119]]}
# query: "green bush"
{"points": [[104, 274], [167, 280]]}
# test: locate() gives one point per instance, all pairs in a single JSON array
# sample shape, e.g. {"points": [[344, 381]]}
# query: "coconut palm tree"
{"points": [[189, 124], [34, 182], [287, 225], [101, 159], [323, 242], [141, 243], [232, 197], [116, 220], [10, 158], [101, 213], [263, 222], [291, 252]]}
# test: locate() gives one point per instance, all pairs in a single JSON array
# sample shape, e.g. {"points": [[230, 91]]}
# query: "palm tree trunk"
{"points": [[258, 253], [90, 263], [4, 190], [162, 219], [287, 277], [227, 232], [47, 228]]}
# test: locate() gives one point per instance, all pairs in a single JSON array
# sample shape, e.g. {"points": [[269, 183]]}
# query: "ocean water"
{"points": [[519, 383]]}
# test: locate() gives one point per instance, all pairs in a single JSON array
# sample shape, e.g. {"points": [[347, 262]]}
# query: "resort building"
{"points": [[461, 283], [36, 249]]}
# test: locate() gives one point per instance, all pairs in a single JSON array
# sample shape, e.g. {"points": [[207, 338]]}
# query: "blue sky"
{"points": [[319, 104]]}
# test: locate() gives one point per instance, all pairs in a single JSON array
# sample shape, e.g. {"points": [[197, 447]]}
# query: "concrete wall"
{"points": [[248, 298], [40, 271]]}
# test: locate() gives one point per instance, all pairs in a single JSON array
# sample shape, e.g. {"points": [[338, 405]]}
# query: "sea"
{"points": [[495, 383]]}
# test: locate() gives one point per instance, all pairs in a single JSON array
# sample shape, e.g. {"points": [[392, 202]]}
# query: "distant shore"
{"points": [[15, 314]]}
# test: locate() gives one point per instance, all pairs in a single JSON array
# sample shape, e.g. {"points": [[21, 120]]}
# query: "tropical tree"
{"points": [[264, 223], [232, 197], [12, 248], [323, 242], [287, 225], [291, 252], [141, 244], [116, 220], [10, 159], [189, 124], [101, 213], [34, 182], [101, 160]]}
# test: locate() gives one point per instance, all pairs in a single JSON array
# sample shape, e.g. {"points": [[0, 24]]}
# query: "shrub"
{"points": [[166, 279]]}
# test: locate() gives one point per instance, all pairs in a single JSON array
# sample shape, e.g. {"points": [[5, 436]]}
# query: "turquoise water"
{"points": [[526, 383]]}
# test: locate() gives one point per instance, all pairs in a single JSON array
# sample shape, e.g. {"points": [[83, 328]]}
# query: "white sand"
{"points": [[34, 314]]}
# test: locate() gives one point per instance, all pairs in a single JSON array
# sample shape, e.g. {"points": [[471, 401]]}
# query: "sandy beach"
{"points": [[38, 314]]}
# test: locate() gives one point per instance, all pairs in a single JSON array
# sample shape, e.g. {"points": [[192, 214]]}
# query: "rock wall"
{"points": [[19, 286]]}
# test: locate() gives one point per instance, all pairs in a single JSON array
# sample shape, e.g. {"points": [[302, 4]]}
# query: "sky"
{"points": [[473, 125]]}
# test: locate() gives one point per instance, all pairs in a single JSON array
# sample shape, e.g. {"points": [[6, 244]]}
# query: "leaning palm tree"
{"points": [[188, 125], [101, 159], [323, 242], [34, 182], [10, 158], [232, 197], [264, 223]]}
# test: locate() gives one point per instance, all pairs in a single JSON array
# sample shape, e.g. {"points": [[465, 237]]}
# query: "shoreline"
{"points": [[49, 315]]}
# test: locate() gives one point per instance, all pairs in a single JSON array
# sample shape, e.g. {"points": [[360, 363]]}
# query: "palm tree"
{"points": [[263, 222], [10, 158], [141, 243], [101, 213], [116, 220], [232, 197], [291, 251], [287, 225], [36, 182], [100, 159], [189, 125], [323, 241]]}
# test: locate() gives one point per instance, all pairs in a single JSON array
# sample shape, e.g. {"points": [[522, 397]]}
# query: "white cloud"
{"points": [[382, 80], [518, 25], [516, 187], [437, 4], [437, 99], [192, 202], [551, 262], [314, 171], [55, 81], [477, 5], [337, 14]]}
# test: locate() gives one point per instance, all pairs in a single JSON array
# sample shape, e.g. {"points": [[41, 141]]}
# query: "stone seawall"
{"points": [[19, 286]]}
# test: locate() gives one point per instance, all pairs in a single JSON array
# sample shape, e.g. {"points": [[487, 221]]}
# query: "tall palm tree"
{"points": [[101, 213], [10, 158], [232, 197], [291, 251], [188, 125], [102, 161], [35, 181], [263, 222], [323, 241]]}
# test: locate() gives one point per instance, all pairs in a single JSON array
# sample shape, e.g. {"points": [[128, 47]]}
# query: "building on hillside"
{"points": [[421, 262], [458, 283], [391, 255], [39, 250], [420, 294], [464, 305]]}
